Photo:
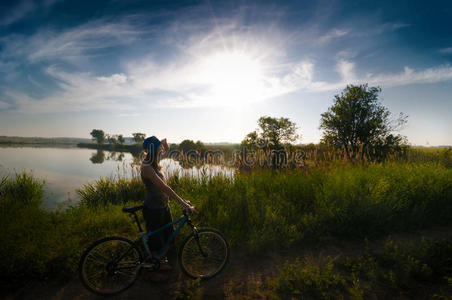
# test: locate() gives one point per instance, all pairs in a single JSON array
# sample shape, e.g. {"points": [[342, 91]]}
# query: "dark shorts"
{"points": [[154, 219]]}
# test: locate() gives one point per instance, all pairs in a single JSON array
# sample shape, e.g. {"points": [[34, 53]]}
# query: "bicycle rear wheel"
{"points": [[204, 254], [110, 265]]}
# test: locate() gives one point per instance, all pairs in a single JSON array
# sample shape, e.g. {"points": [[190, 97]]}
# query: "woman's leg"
{"points": [[155, 219]]}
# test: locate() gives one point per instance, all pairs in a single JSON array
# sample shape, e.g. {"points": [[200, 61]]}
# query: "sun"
{"points": [[232, 78]]}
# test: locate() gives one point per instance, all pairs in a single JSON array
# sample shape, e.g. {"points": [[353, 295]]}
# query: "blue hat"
{"points": [[151, 143]]}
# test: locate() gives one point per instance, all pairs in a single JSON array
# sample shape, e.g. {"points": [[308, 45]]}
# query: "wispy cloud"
{"points": [[71, 45], [18, 12], [332, 34], [347, 70], [22, 9], [132, 93], [394, 26], [193, 77], [411, 76], [447, 50]]}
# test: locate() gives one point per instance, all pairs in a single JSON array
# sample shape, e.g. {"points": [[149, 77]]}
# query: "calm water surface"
{"points": [[66, 169]]}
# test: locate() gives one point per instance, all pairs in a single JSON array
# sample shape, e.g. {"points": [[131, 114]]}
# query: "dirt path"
{"points": [[243, 275]]}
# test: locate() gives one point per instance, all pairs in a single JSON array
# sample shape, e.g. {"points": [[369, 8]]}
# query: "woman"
{"points": [[156, 211]]}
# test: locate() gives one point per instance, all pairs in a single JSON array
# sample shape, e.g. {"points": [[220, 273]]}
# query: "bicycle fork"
{"points": [[195, 232]]}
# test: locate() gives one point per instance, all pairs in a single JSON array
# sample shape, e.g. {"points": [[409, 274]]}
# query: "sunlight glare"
{"points": [[233, 78]]}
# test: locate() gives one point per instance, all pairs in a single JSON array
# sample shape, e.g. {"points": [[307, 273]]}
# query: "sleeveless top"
{"points": [[155, 199]]}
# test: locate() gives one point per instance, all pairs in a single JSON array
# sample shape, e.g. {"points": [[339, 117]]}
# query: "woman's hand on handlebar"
{"points": [[189, 208]]}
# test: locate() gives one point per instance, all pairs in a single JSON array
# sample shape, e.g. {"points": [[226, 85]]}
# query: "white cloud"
{"points": [[447, 50], [152, 85], [72, 45], [4, 105], [115, 78], [410, 76], [76, 43], [332, 34], [199, 75], [347, 70]]}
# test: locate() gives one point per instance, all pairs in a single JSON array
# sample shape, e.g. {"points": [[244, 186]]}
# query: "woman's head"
{"points": [[151, 150]]}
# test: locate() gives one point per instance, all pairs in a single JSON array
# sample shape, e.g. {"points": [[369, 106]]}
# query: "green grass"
{"points": [[421, 270], [279, 208], [37, 243], [255, 211], [112, 191]]}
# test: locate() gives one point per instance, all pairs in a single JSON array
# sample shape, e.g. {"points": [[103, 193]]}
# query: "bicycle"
{"points": [[112, 264]]}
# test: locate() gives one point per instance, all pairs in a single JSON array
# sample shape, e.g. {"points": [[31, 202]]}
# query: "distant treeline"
{"points": [[185, 146], [11, 140]]}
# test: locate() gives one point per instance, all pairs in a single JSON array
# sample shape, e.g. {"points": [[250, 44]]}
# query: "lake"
{"points": [[65, 169]]}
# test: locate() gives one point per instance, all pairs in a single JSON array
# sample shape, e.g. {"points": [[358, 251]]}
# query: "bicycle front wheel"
{"points": [[204, 254], [109, 266]]}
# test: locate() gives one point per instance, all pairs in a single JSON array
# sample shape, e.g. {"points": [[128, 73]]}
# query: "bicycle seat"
{"points": [[132, 209]]}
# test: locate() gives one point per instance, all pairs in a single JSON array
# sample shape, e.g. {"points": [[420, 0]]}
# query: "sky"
{"points": [[207, 70]]}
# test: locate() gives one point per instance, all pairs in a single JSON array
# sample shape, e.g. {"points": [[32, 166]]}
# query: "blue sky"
{"points": [[209, 69]]}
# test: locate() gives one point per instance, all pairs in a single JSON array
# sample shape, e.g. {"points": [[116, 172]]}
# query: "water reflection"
{"points": [[66, 169], [100, 156], [170, 166]]}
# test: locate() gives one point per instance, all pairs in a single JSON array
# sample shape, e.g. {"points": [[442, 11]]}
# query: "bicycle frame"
{"points": [[144, 236]]}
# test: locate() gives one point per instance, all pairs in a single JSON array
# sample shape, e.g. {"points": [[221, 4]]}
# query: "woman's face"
{"points": [[159, 152]]}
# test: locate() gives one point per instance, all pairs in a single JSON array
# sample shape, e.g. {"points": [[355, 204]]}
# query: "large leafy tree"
{"points": [[98, 135], [273, 133], [358, 123]]}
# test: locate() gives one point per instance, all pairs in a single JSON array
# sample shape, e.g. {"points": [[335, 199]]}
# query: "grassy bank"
{"points": [[416, 270], [256, 211]]}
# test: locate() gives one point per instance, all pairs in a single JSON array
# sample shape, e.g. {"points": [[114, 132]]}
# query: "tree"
{"points": [[121, 139], [273, 133], [189, 145], [112, 139], [251, 140], [98, 135], [357, 122], [139, 137]]}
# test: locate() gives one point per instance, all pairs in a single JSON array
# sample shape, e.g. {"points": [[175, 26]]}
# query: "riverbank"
{"points": [[133, 148], [16, 140]]}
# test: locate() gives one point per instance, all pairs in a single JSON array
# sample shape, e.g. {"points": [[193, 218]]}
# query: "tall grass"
{"points": [[256, 210], [35, 242], [283, 207], [271, 207], [308, 156]]}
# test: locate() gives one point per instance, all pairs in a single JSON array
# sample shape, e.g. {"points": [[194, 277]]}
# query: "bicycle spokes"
{"points": [[111, 266], [204, 254]]}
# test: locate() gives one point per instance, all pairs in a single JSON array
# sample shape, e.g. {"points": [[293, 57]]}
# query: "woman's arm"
{"points": [[165, 148], [149, 172]]}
